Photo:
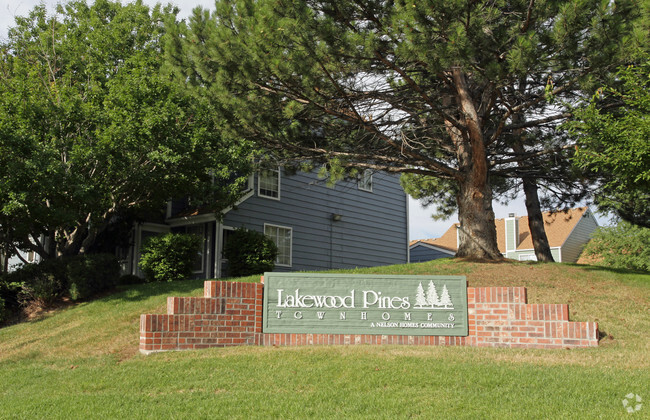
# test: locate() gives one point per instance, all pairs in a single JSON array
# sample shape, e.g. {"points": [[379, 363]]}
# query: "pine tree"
{"points": [[439, 88], [432, 295], [420, 299], [445, 299]]}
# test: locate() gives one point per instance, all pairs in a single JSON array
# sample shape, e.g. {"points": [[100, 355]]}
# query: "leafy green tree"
{"points": [[426, 87], [622, 246], [92, 128], [614, 144]]}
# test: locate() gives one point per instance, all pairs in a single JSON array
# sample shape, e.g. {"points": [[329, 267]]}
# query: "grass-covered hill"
{"points": [[83, 362]]}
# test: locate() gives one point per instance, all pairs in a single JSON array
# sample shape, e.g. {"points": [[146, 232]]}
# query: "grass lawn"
{"points": [[82, 362]]}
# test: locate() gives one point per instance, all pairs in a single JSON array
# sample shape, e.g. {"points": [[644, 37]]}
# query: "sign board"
{"points": [[365, 304]]}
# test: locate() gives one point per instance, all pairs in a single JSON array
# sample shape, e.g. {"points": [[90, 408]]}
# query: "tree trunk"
{"points": [[477, 232], [535, 217], [536, 222]]}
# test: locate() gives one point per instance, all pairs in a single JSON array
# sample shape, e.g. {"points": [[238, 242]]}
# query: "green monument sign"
{"points": [[365, 304]]}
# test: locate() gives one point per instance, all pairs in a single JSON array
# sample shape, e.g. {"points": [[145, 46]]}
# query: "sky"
{"points": [[421, 225]]}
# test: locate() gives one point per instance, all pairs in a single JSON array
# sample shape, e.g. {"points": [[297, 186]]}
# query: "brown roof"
{"points": [[558, 226], [447, 241]]}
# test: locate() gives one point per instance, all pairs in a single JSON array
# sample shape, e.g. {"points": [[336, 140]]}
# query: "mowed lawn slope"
{"points": [[82, 362]]}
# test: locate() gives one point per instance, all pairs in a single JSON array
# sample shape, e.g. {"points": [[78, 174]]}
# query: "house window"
{"points": [[197, 230], [269, 183], [365, 181], [282, 238]]}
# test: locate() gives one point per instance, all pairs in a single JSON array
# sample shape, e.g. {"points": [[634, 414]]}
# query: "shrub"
{"points": [[8, 296], [91, 274], [622, 246], [42, 283], [249, 252], [169, 257]]}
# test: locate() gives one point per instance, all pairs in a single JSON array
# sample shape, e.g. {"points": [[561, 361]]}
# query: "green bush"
{"points": [[42, 283], [91, 274], [169, 257], [8, 296], [622, 246], [249, 252]]}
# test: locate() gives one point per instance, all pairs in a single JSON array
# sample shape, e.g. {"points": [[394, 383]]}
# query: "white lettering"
{"points": [[342, 316], [373, 298], [385, 316], [279, 313], [320, 315], [296, 300], [304, 301], [436, 325], [386, 324], [364, 315], [297, 315], [405, 303], [407, 316]]}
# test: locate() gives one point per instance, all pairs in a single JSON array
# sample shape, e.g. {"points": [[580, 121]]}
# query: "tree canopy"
{"points": [[460, 91], [91, 128], [614, 144]]}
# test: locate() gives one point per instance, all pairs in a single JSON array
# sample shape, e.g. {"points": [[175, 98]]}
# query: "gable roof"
{"points": [[558, 226], [447, 241]]}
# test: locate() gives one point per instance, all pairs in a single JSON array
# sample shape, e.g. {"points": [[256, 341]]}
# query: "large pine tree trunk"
{"points": [[477, 233], [535, 217], [536, 222]]}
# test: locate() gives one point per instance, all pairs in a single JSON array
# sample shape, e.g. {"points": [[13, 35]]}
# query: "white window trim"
{"points": [[290, 245], [361, 182], [250, 183], [259, 184]]}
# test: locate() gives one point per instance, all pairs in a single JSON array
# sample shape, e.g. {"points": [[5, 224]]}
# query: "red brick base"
{"points": [[230, 314]]}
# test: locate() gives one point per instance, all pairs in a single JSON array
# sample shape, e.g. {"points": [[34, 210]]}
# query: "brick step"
{"points": [[516, 311], [182, 332], [213, 289], [496, 295]]}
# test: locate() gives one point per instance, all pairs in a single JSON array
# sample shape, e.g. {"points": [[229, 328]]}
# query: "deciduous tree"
{"points": [[90, 127], [614, 144]]}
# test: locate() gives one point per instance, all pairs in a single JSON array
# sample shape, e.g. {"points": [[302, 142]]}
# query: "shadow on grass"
{"points": [[140, 292], [630, 275]]}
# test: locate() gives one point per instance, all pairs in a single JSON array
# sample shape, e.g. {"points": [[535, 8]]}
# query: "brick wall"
{"points": [[230, 314]]}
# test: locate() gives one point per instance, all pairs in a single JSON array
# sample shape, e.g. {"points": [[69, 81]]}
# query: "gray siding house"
{"points": [[356, 223], [567, 231]]}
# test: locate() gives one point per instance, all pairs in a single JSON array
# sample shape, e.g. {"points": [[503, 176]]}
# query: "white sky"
{"points": [[421, 226]]}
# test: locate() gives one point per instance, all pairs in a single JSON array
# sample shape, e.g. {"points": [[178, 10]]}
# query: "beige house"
{"points": [[567, 232]]}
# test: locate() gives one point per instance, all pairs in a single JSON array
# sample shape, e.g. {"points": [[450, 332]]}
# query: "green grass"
{"points": [[82, 362]]}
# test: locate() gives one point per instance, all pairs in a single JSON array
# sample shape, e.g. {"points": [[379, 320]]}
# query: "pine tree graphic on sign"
{"points": [[445, 299], [420, 299], [432, 295]]}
